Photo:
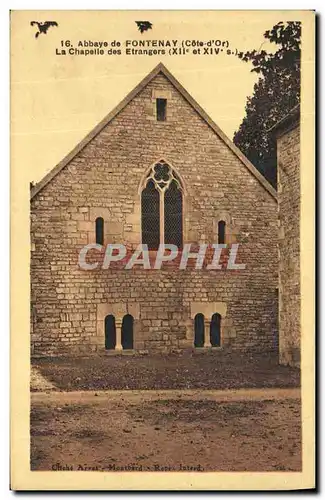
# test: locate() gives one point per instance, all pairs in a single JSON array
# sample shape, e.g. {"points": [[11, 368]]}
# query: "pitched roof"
{"points": [[160, 68], [288, 122]]}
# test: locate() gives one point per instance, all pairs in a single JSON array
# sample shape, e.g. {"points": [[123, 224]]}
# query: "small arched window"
{"points": [[221, 232], [199, 330], [215, 327], [110, 332], [127, 332], [100, 230]]}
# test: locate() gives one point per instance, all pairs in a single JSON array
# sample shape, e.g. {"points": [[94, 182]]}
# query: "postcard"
{"points": [[162, 250]]}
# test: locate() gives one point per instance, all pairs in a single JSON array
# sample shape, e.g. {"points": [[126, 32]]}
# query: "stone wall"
{"points": [[104, 179], [288, 153]]}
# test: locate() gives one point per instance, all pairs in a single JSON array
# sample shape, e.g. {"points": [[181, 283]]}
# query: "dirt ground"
{"points": [[238, 430], [199, 412], [187, 371]]}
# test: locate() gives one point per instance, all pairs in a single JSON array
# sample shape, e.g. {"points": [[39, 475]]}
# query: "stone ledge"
{"points": [[206, 350], [125, 352]]}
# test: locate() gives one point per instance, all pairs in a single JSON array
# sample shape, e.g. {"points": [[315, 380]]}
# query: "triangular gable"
{"points": [[160, 68]]}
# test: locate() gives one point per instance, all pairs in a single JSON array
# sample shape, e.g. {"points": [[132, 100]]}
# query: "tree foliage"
{"points": [[276, 92]]}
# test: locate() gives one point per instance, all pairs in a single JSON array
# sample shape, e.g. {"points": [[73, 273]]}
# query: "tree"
{"points": [[275, 94]]}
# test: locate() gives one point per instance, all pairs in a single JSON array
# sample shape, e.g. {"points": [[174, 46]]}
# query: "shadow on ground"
{"points": [[172, 430], [187, 371]]}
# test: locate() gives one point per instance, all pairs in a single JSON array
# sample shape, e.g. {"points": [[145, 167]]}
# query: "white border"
{"points": [[4, 198]]}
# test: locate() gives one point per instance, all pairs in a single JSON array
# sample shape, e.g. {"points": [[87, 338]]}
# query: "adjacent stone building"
{"points": [[287, 133], [156, 170]]}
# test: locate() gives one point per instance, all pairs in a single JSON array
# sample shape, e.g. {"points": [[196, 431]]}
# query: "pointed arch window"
{"points": [[150, 210], [173, 222], [162, 207]]}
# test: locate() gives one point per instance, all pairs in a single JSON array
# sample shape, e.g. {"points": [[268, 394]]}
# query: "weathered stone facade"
{"points": [[288, 159], [103, 177]]}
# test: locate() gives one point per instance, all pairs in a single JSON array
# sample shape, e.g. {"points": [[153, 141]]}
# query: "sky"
{"points": [[56, 100]]}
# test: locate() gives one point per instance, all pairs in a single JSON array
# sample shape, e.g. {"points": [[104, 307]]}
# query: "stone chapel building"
{"points": [[155, 170], [287, 133]]}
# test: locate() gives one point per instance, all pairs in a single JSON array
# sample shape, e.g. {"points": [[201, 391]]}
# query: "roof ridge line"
{"points": [[159, 68]]}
